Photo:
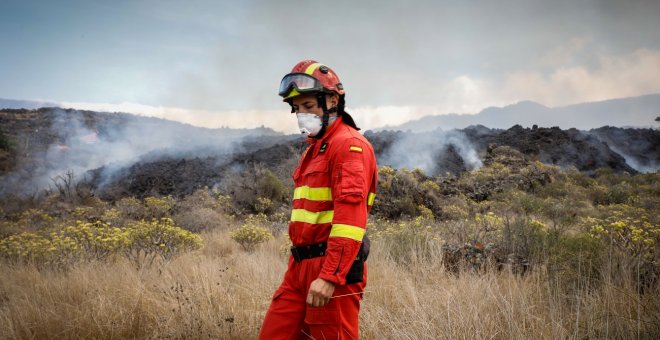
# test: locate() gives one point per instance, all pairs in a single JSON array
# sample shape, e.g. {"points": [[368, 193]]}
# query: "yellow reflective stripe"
{"points": [[311, 68], [293, 93], [371, 198], [312, 194], [348, 231], [302, 215]]}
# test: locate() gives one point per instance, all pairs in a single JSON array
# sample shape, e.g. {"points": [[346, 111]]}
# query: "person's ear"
{"points": [[333, 100]]}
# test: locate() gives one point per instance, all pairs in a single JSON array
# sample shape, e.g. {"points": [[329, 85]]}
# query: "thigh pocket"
{"points": [[323, 322]]}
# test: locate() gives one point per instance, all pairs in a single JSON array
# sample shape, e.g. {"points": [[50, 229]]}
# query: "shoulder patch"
{"points": [[355, 148]]}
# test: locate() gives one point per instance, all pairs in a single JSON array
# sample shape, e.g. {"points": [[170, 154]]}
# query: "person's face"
{"points": [[309, 104]]}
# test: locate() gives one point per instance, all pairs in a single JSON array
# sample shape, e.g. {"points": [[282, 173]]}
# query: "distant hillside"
{"points": [[627, 112], [38, 145], [123, 154], [24, 104]]}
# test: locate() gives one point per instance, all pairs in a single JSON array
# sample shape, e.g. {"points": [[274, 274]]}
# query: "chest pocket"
{"points": [[317, 174]]}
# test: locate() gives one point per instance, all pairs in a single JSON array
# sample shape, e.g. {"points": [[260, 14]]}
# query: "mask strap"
{"points": [[320, 98]]}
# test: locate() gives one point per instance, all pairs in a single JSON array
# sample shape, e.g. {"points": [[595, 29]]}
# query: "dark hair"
{"points": [[341, 111]]}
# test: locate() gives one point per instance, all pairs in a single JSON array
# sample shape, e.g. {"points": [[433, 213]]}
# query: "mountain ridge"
{"points": [[621, 112]]}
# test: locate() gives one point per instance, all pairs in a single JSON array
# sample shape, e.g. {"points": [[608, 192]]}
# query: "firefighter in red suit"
{"points": [[335, 187]]}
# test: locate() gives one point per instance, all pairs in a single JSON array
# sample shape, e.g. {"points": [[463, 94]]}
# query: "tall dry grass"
{"points": [[223, 292]]}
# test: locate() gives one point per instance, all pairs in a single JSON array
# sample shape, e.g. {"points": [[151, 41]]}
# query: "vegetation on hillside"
{"points": [[515, 249]]}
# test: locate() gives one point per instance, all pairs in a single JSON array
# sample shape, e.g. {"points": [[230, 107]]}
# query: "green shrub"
{"points": [[159, 240], [574, 263], [252, 233], [131, 207], [250, 189], [406, 241], [158, 207]]}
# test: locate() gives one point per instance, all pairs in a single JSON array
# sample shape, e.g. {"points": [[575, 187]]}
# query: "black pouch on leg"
{"points": [[356, 273]]}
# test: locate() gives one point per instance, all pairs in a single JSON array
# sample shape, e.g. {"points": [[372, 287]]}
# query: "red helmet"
{"points": [[310, 76]]}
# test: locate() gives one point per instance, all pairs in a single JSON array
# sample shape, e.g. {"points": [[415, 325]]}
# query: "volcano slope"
{"points": [[180, 177], [124, 155]]}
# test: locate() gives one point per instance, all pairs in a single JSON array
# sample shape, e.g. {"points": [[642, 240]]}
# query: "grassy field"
{"points": [[206, 265], [222, 291]]}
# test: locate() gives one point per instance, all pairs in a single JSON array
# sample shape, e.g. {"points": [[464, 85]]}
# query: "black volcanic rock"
{"points": [[553, 146], [176, 177]]}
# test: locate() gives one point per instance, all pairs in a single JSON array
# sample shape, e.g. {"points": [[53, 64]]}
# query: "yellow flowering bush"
{"points": [[251, 233], [95, 240], [628, 228], [81, 212], [34, 219], [158, 207], [26, 247], [130, 207], [405, 240], [111, 216], [142, 242], [386, 171], [263, 205], [430, 185], [159, 239], [82, 241]]}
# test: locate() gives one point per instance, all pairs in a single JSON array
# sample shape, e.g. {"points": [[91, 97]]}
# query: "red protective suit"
{"points": [[335, 185]]}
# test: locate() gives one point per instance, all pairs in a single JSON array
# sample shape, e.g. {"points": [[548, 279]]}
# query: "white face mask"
{"points": [[310, 124]]}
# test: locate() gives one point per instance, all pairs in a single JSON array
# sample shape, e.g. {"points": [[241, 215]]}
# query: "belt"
{"points": [[316, 250], [308, 252]]}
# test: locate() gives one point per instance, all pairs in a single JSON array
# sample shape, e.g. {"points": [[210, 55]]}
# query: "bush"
{"points": [[131, 208], [142, 242], [158, 207], [406, 241], [251, 234], [574, 263], [83, 241], [202, 218], [632, 239], [257, 190], [159, 240]]}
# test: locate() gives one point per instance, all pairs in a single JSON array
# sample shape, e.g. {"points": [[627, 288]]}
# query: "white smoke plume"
{"points": [[423, 151], [77, 141]]}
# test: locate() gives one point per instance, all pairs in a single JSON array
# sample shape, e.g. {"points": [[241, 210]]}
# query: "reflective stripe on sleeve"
{"points": [[302, 215], [348, 231], [312, 194], [371, 198]]}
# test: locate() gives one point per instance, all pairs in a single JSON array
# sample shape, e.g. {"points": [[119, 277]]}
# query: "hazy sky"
{"points": [[217, 63]]}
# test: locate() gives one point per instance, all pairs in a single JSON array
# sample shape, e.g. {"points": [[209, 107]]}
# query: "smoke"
{"points": [[78, 141], [278, 120], [641, 165], [639, 147], [426, 150]]}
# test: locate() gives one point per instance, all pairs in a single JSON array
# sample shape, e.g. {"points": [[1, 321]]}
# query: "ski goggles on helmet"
{"points": [[300, 82]]}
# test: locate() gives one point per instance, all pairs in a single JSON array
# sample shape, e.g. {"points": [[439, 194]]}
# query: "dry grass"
{"points": [[223, 292]]}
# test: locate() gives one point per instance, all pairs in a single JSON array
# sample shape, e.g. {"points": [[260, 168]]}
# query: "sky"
{"points": [[219, 63]]}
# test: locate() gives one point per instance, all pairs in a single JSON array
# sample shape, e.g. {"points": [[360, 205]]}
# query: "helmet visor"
{"points": [[302, 82]]}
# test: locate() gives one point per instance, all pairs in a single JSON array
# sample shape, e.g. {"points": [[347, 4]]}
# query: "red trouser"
{"points": [[290, 317]]}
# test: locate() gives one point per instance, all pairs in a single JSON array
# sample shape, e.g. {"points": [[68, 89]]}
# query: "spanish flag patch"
{"points": [[354, 148]]}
